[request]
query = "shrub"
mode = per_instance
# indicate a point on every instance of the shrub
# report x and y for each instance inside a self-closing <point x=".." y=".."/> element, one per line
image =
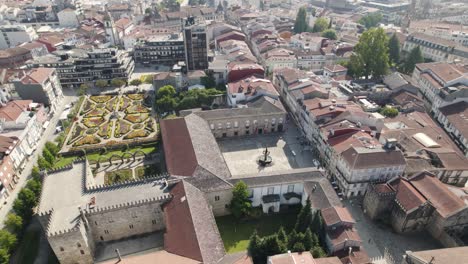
<point x="43" y="164"/>
<point x="136" y="134"/>
<point x="146" y="79"/>
<point x="35" y="173"/>
<point x="137" y="96"/>
<point x="87" y="140"/>
<point x="117" y="82"/>
<point x="101" y="83"/>
<point x="389" y="111"/>
<point x="135" y="82"/>
<point x="52" y="147"/>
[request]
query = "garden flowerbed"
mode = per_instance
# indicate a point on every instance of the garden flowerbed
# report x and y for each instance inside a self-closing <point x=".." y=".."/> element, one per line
<point x="87" y="140"/>
<point x="77" y="133"/>
<point x="138" y="108"/>
<point x="100" y="98"/>
<point x="91" y="131"/>
<point x="105" y="131"/>
<point x="124" y="103"/>
<point x="93" y="121"/>
<point x="137" y="118"/>
<point x="138" y="96"/>
<point x="88" y="106"/>
<point x="96" y="112"/>
<point x="137" y="134"/>
<point x="122" y="127"/>
<point x="110" y="105"/>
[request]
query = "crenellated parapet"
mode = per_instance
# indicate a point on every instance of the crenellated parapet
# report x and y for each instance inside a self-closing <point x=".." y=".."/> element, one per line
<point x="160" y="179"/>
<point x="97" y="209"/>
<point x="75" y="228"/>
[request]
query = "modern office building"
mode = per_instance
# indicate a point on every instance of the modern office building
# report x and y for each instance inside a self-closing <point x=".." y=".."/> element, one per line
<point x="196" y="46"/>
<point x="166" y="49"/>
<point x="78" y="66"/>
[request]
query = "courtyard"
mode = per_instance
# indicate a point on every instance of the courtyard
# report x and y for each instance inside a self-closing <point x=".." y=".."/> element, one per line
<point x="286" y="150"/>
<point x="111" y="119"/>
<point x="236" y="233"/>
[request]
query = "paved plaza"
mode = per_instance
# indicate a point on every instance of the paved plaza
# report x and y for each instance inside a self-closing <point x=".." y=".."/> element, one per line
<point x="382" y="244"/>
<point x="285" y="149"/>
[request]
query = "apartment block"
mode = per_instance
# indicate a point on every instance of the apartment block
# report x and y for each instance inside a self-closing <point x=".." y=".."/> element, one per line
<point x="78" y="66"/>
<point x="41" y="85"/>
<point x="167" y="49"/>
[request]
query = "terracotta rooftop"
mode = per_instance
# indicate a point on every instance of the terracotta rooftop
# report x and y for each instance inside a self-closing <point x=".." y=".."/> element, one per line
<point x="37" y="75"/>
<point x="250" y="85"/>
<point x="445" y="71"/>
<point x="13" y="109"/>
<point x="335" y="215"/>
<point x="445" y="201"/>
<point x="340" y="235"/>
<point x="372" y="157"/>
<point x="7" y="144"/>
<point x="191" y="230"/>
<point x="292" y="258"/>
<point x="335" y="68"/>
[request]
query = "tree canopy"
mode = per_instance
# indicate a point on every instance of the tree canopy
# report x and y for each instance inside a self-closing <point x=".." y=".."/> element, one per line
<point x="389" y="111"/>
<point x="371" y="20"/>
<point x="371" y="54"/>
<point x="240" y="204"/>
<point x="167" y="90"/>
<point x="329" y="34"/>
<point x="320" y="25"/>
<point x="394" y="49"/>
<point x="101" y="83"/>
<point x="300" y="25"/>
<point x="414" y="57"/>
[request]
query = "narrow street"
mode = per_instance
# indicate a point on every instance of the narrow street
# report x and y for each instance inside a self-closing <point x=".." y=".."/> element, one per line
<point x="48" y="135"/>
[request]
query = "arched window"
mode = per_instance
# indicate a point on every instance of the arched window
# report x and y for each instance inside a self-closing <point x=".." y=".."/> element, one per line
<point x="62" y="249"/>
<point x="78" y="245"/>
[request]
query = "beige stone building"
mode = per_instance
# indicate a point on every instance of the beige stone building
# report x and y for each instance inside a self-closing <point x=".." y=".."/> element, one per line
<point x="421" y="202"/>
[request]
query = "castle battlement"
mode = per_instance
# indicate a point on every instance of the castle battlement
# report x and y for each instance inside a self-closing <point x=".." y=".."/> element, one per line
<point x="65" y="231"/>
<point x="157" y="179"/>
<point x="97" y="209"/>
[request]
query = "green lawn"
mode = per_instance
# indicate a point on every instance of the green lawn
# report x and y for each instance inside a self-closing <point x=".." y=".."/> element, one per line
<point x="147" y="170"/>
<point x="116" y="176"/>
<point x="29" y="246"/>
<point x="236" y="234"/>
<point x="63" y="161"/>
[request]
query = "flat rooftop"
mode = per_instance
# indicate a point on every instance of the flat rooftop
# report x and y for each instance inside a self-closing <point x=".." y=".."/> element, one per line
<point x="63" y="192"/>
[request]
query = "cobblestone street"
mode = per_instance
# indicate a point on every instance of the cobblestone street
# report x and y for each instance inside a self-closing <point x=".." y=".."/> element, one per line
<point x="382" y="243"/>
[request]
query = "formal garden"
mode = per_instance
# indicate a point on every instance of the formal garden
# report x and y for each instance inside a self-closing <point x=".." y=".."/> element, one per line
<point x="111" y="120"/>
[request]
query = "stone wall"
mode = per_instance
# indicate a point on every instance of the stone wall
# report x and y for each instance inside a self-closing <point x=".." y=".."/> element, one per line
<point x="128" y="221"/>
<point x="219" y="201"/>
<point x="375" y="204"/>
<point x="72" y="247"/>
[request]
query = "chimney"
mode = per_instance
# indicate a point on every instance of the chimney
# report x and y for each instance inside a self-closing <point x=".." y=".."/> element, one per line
<point x="390" y="143"/>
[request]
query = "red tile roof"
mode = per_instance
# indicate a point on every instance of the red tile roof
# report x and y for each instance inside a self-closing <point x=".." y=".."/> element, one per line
<point x="408" y="197"/>
<point x="178" y="147"/>
<point x="335" y="215"/>
<point x="13" y="109"/>
<point x="445" y="201"/>
<point x="38" y="75"/>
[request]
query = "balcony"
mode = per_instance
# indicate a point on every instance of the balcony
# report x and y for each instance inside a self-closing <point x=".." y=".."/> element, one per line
<point x="290" y="195"/>
<point x="270" y="198"/>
